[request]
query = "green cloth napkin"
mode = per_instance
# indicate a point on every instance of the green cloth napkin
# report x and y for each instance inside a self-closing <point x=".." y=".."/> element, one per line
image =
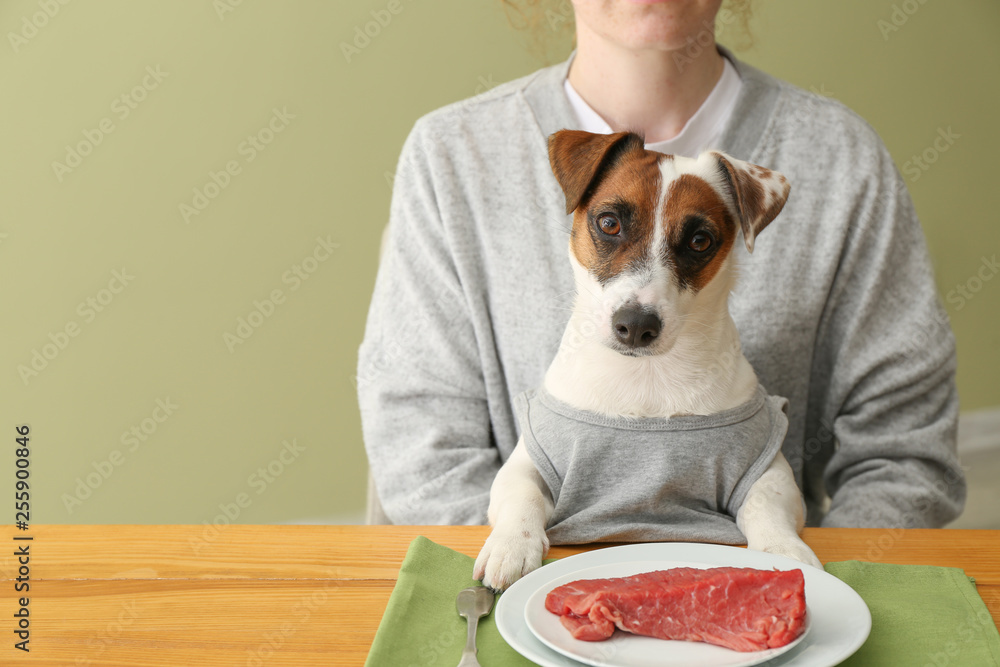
<point x="421" y="626"/>
<point x="921" y="616"/>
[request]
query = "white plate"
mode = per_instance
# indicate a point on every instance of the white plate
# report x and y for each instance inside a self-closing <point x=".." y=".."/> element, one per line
<point x="624" y="650"/>
<point x="839" y="621"/>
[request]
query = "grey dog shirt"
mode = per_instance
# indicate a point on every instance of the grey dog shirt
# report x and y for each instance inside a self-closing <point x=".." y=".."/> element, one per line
<point x="627" y="479"/>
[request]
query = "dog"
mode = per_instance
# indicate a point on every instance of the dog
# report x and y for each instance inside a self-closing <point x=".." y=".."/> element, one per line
<point x="650" y="337"/>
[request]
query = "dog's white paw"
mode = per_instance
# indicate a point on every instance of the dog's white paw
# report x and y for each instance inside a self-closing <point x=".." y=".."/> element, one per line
<point x="508" y="555"/>
<point x="791" y="547"/>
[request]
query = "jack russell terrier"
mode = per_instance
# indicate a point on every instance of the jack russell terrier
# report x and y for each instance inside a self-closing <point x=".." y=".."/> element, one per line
<point x="650" y="423"/>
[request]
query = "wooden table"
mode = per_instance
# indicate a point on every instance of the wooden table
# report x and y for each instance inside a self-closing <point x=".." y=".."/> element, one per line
<point x="294" y="595"/>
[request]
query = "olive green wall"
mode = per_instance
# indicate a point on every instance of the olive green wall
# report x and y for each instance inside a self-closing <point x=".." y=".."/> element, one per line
<point x="170" y="168"/>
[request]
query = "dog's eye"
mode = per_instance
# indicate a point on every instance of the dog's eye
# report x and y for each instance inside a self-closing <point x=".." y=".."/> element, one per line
<point x="609" y="224"/>
<point x="700" y="242"/>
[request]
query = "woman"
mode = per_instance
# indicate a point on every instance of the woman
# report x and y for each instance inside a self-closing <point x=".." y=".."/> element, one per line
<point x="836" y="308"/>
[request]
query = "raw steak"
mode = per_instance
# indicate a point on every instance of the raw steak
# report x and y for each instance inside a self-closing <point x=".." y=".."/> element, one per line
<point x="740" y="608"/>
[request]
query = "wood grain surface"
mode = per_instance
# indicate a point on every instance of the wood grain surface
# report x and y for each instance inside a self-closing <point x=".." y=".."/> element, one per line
<point x="295" y="595"/>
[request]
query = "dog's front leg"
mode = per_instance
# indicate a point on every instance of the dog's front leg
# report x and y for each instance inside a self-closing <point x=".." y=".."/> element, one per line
<point x="520" y="508"/>
<point x="771" y="516"/>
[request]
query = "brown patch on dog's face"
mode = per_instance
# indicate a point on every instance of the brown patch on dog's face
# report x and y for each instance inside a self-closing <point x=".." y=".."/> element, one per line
<point x="626" y="195"/>
<point x="693" y="211"/>
<point x="580" y="159"/>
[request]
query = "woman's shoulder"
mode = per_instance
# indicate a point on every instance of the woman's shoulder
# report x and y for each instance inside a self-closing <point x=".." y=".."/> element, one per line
<point x="488" y="96"/>
<point x="493" y="110"/>
<point x="814" y="121"/>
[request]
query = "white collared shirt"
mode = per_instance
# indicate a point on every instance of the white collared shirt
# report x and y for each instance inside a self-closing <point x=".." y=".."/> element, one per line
<point x="701" y="132"/>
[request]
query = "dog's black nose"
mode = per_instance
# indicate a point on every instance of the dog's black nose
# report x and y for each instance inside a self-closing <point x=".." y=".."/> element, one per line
<point x="635" y="327"/>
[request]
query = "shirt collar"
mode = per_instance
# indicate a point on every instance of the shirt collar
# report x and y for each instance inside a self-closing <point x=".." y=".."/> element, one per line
<point x="741" y="137"/>
<point x="701" y="130"/>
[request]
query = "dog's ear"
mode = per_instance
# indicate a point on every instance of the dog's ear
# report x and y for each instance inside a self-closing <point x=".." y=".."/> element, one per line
<point x="757" y="193"/>
<point x="577" y="159"/>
